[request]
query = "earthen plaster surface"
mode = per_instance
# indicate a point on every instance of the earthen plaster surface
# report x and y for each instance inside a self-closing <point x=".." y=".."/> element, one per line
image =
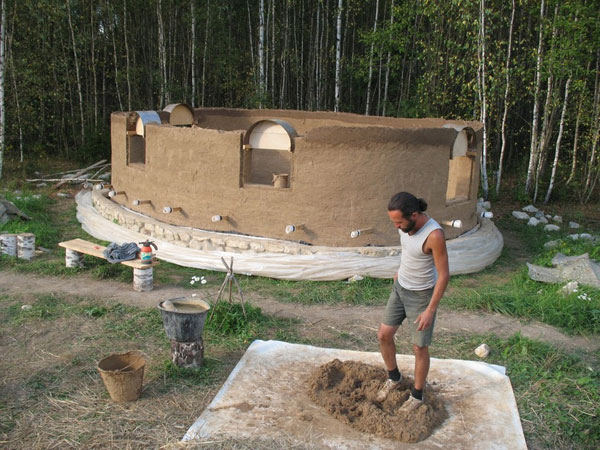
<point x="343" y="170"/>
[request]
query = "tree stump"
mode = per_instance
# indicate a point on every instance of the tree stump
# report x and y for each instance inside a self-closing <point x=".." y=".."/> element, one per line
<point x="8" y="244"/>
<point x="73" y="258"/>
<point x="143" y="280"/>
<point x="187" y="354"/>
<point x="26" y="246"/>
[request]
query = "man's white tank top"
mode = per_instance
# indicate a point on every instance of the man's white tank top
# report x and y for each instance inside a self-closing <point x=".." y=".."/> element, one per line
<point x="417" y="270"/>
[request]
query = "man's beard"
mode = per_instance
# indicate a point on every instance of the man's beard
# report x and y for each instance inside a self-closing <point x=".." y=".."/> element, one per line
<point x="411" y="226"/>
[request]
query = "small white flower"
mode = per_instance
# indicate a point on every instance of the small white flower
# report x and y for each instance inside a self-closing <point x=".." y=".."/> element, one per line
<point x="194" y="295"/>
<point x="203" y="282"/>
<point x="192" y="282"/>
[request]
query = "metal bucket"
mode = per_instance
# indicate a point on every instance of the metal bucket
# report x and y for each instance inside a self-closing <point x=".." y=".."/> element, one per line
<point x="186" y="322"/>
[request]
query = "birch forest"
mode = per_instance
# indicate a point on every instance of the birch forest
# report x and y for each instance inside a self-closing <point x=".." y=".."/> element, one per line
<point x="528" y="69"/>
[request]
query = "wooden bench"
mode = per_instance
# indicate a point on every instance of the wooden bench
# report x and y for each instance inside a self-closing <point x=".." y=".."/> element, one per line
<point x="76" y="248"/>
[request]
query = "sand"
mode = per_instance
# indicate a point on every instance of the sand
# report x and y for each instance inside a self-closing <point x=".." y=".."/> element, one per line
<point x="347" y="390"/>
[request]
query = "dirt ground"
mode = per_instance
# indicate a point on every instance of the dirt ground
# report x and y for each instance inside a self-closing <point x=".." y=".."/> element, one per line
<point x="317" y="321"/>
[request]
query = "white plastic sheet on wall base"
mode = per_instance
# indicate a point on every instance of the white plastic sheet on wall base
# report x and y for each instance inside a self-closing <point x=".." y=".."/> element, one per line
<point x="469" y="253"/>
<point x="266" y="397"/>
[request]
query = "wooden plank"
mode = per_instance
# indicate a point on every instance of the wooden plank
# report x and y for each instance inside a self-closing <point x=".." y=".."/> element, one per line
<point x="89" y="248"/>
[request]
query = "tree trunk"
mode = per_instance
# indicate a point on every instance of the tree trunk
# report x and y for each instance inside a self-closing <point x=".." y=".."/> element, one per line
<point x="126" y="55"/>
<point x="338" y="56"/>
<point x="162" y="57"/>
<point x="387" y="66"/>
<point x="484" y="178"/>
<point x="261" y="51"/>
<point x="506" y="91"/>
<point x="548" y="117"/>
<point x="2" y="71"/>
<point x="367" y="107"/>
<point x="76" y="70"/>
<point x="205" y="50"/>
<point x="93" y="64"/>
<point x="284" y="55"/>
<point x="558" y="140"/>
<point x="576" y="137"/>
<point x="593" y="171"/>
<point x="115" y="60"/>
<point x="193" y="51"/>
<point x="534" y="123"/>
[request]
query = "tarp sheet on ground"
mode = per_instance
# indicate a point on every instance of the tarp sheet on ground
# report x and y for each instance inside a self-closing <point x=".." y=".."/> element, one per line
<point x="266" y="397"/>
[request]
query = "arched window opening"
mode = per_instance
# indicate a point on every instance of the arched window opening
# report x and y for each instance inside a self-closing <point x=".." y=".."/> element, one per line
<point x="136" y="137"/>
<point x="461" y="165"/>
<point x="267" y="151"/>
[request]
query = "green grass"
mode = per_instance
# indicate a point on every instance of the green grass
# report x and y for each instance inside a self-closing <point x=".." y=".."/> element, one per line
<point x="41" y="223"/>
<point x="523" y="297"/>
<point x="558" y="395"/>
<point x="369" y="291"/>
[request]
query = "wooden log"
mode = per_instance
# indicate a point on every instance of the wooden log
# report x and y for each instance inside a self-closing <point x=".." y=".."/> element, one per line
<point x="187" y="354"/>
<point x="8" y="244"/>
<point x="143" y="280"/>
<point x="73" y="258"/>
<point x="78" y="174"/>
<point x="26" y="246"/>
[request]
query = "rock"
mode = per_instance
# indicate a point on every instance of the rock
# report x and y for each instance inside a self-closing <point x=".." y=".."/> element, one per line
<point x="539" y="214"/>
<point x="482" y="351"/>
<point x="574" y="236"/>
<point x="543" y="220"/>
<point x="531" y="209"/>
<point x="64" y="195"/>
<point x="568" y="268"/>
<point x="533" y="222"/>
<point x="26" y="307"/>
<point x="573" y="225"/>
<point x="587" y="236"/>
<point x="557" y="219"/>
<point x="41" y="185"/>
<point x="552" y="244"/>
<point x="520" y="215"/>
<point x="569" y="288"/>
<point x="486" y="205"/>
<point x="8" y="211"/>
<point x="355" y="278"/>
<point x="551" y="227"/>
<point x="548" y="216"/>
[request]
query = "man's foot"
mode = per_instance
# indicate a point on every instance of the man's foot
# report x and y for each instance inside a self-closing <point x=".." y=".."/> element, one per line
<point x="388" y="387"/>
<point x="411" y="404"/>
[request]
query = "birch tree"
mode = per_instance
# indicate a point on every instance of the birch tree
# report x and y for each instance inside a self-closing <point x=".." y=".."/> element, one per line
<point x="534" y="122"/>
<point x="261" y="51"/>
<point x="558" y="141"/>
<point x="76" y="60"/>
<point x="368" y="103"/>
<point x="338" y="55"/>
<point x="506" y="92"/>
<point x="483" y="116"/>
<point x="2" y="72"/>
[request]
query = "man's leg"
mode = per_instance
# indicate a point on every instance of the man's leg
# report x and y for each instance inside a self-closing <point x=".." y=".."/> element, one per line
<point x="421" y="366"/>
<point x="387" y="345"/>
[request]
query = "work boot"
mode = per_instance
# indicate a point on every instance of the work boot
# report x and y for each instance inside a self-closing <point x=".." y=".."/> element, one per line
<point x="388" y="387"/>
<point x="411" y="404"/>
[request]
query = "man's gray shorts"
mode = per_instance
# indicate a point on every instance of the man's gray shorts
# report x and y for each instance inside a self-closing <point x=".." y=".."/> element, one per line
<point x="406" y="304"/>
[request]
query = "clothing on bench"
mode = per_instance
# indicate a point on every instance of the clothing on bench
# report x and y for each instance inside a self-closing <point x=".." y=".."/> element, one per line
<point x="116" y="253"/>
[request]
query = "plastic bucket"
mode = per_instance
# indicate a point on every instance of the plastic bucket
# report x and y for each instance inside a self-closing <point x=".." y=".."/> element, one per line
<point x="123" y="375"/>
<point x="186" y="322"/>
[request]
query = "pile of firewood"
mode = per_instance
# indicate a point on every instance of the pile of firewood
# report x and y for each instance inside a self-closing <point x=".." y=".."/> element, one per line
<point x="96" y="173"/>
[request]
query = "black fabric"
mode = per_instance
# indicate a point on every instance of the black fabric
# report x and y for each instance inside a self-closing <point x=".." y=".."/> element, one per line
<point x="394" y="375"/>
<point x="416" y="393"/>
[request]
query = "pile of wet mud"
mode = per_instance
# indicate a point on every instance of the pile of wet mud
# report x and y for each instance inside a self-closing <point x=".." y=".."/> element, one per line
<point x="348" y="391"/>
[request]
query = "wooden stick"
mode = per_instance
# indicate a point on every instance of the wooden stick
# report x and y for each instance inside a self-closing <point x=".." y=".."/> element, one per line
<point x="79" y="173"/>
